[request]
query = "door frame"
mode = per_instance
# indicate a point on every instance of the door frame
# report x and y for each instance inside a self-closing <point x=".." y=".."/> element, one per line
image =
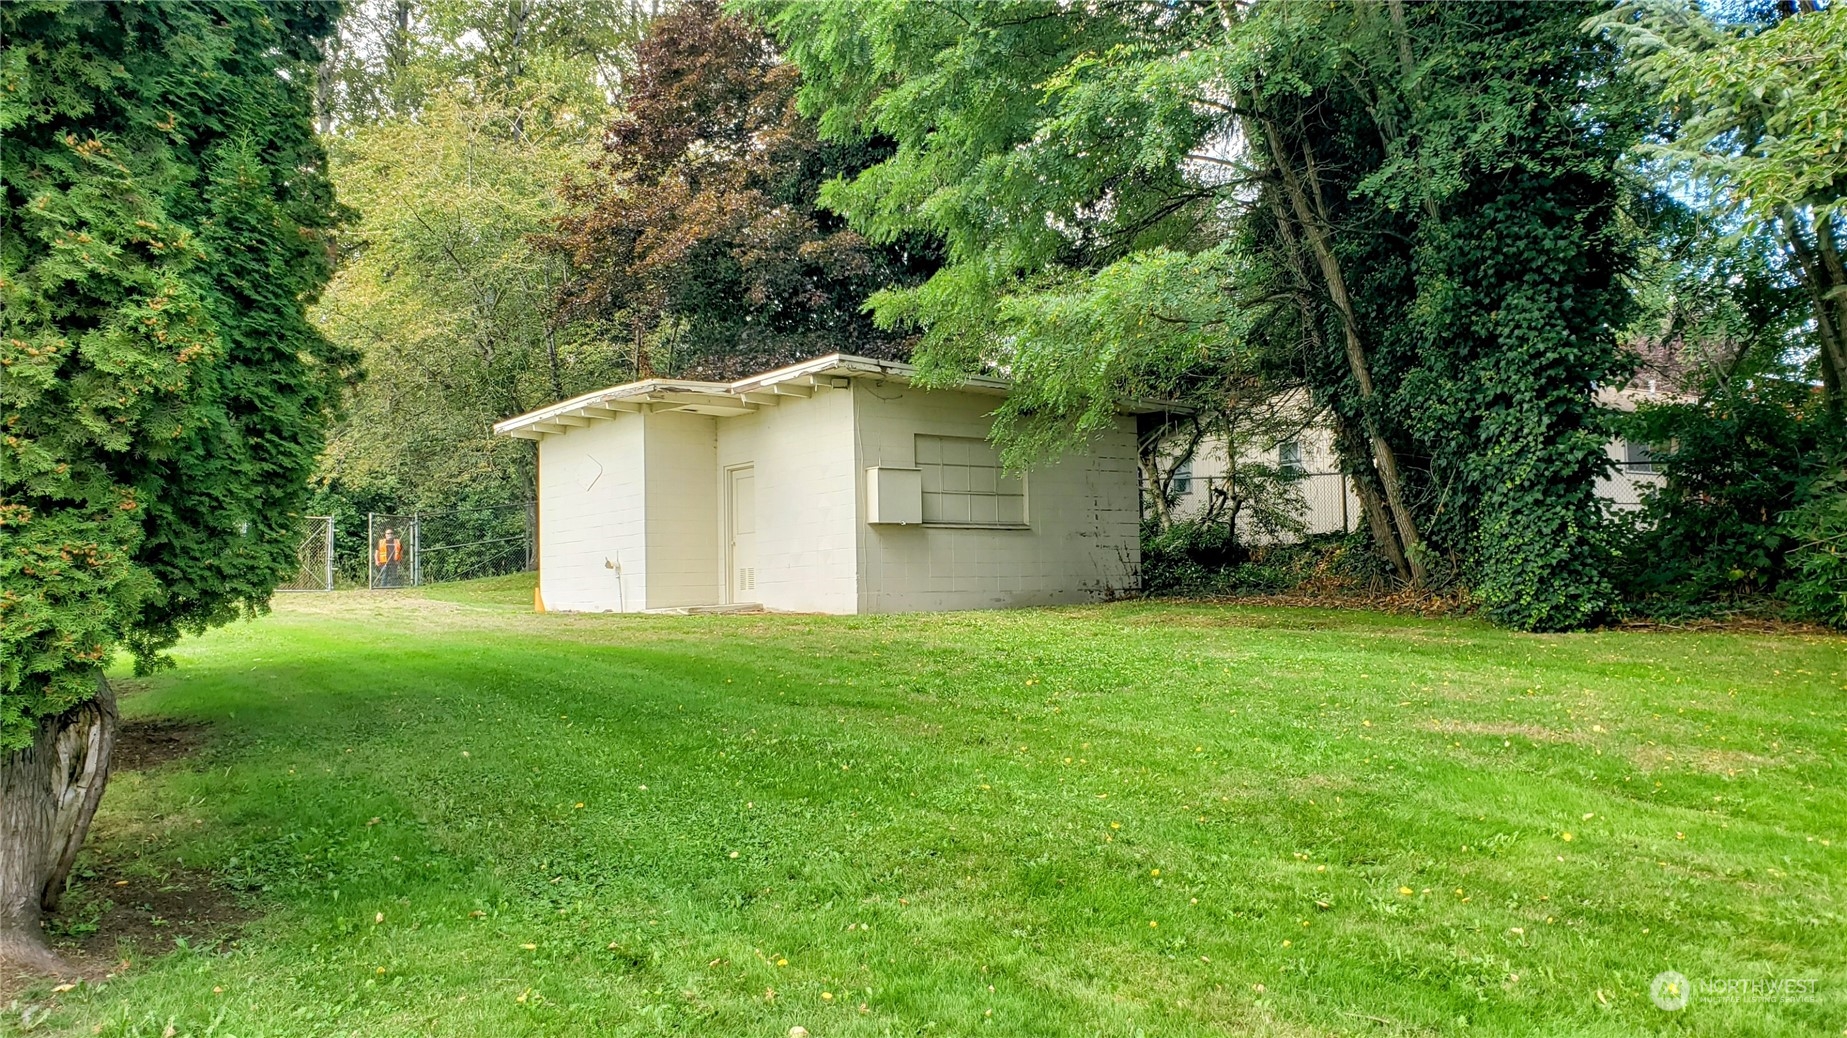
<point x="728" y="590"/>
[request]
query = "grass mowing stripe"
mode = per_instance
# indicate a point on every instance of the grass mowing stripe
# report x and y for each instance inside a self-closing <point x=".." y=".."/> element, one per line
<point x="1135" y="818"/>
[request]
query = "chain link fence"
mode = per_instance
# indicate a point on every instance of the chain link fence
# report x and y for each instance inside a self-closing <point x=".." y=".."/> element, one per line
<point x="404" y="550"/>
<point x="314" y="556"/>
<point x="464" y="543"/>
<point x="391" y="553"/>
<point x="1624" y="488"/>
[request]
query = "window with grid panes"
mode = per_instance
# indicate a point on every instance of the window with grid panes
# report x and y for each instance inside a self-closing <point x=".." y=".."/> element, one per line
<point x="964" y="484"/>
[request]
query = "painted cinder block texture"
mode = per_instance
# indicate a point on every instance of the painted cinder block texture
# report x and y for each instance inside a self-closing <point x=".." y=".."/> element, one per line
<point x="635" y="511"/>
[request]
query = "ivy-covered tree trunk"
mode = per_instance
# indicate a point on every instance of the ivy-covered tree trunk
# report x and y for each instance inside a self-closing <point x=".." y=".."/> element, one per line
<point x="48" y="794"/>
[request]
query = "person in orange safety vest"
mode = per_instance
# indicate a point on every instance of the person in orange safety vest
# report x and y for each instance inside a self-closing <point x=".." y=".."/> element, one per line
<point x="387" y="555"/>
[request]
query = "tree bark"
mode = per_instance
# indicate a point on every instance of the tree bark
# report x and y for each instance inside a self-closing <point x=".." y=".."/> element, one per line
<point x="1156" y="495"/>
<point x="1366" y="488"/>
<point x="1310" y="215"/>
<point x="1819" y="268"/>
<point x="1354" y="444"/>
<point x="48" y="794"/>
<point x="1830" y="255"/>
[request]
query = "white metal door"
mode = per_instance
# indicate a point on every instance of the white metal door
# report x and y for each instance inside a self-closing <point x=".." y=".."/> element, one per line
<point x="743" y="528"/>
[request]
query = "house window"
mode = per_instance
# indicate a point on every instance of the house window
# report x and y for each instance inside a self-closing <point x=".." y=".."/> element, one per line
<point x="1289" y="457"/>
<point x="1638" y="458"/>
<point x="1183" y="478"/>
<point x="964" y="484"/>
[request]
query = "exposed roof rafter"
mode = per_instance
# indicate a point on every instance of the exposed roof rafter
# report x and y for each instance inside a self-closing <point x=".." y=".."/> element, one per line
<point x="732" y="399"/>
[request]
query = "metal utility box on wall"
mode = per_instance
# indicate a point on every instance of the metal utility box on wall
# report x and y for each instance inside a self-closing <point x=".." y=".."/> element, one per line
<point x="894" y="495"/>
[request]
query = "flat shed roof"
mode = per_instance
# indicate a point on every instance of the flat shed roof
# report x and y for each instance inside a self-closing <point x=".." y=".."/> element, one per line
<point x="727" y="399"/>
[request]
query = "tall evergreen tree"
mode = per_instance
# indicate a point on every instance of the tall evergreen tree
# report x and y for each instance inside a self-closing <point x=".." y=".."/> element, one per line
<point x="162" y="395"/>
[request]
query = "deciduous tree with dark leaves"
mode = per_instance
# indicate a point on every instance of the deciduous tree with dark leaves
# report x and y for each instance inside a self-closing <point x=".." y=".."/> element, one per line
<point x="698" y="238"/>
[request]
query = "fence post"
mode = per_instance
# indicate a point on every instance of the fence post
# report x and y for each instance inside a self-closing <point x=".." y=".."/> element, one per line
<point x="330" y="522"/>
<point x="371" y="570"/>
<point x="532" y="536"/>
<point x="416" y="553"/>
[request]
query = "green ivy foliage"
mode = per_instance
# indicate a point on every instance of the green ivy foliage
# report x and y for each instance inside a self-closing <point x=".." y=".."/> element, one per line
<point x="162" y="396"/>
<point x="1521" y="300"/>
<point x="1817" y="584"/>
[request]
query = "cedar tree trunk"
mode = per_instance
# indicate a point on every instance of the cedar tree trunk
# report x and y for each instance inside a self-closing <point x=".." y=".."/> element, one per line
<point x="48" y="794"/>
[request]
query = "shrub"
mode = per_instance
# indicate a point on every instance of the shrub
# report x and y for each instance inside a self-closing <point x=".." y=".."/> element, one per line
<point x="1188" y="558"/>
<point x="1715" y="533"/>
<point x="1204" y="559"/>
<point x="1817" y="584"/>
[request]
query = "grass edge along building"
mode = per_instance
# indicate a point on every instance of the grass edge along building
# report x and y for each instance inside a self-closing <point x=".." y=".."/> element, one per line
<point x="831" y="486"/>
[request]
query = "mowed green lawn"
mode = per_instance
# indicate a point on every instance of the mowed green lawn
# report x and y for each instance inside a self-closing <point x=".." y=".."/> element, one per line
<point x="461" y="818"/>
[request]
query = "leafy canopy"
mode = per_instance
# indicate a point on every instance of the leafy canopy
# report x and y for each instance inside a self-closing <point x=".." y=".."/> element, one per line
<point x="449" y="300"/>
<point x="162" y="395"/>
<point x="698" y="230"/>
<point x="1408" y="208"/>
<point x="451" y="125"/>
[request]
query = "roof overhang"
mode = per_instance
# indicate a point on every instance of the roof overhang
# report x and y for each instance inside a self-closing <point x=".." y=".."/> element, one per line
<point x="730" y="399"/>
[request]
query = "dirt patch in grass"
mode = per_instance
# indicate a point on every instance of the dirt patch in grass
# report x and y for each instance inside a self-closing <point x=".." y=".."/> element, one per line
<point x="1534" y="732"/>
<point x="1408" y="602"/>
<point x="149" y="742"/>
<point x="1729" y="763"/>
<point x="1729" y="624"/>
<point x="126" y="910"/>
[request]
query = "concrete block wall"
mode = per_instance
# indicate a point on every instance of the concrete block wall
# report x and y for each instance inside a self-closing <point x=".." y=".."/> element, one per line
<point x="1082" y="536"/>
<point x="684" y="524"/>
<point x="807" y="499"/>
<point x="591" y="518"/>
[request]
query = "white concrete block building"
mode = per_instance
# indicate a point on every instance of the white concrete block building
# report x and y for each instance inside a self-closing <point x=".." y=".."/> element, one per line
<point x="831" y="486"/>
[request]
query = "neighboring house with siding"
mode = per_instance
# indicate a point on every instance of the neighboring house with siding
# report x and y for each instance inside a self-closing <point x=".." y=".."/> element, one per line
<point x="830" y="486"/>
<point x="1328" y="503"/>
